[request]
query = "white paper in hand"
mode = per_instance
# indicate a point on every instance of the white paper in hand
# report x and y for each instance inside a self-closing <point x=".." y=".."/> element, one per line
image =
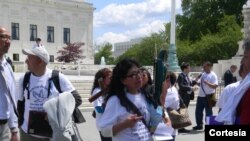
<point x="163" y="132"/>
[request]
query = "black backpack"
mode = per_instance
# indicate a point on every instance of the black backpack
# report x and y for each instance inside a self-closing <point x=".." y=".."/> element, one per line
<point x="77" y="115"/>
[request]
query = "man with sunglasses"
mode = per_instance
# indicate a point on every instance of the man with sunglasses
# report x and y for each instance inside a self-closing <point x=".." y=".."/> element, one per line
<point x="8" y="115"/>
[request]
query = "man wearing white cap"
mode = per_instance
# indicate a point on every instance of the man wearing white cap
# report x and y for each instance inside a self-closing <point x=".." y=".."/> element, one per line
<point x="33" y="119"/>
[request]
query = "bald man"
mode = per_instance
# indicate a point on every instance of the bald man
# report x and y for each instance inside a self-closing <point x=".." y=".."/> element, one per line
<point x="8" y="114"/>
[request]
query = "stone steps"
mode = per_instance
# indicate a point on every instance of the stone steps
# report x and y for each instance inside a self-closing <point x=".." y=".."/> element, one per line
<point x="84" y="89"/>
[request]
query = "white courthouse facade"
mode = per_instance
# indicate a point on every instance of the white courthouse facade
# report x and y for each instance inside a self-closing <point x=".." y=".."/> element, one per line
<point x="56" y="22"/>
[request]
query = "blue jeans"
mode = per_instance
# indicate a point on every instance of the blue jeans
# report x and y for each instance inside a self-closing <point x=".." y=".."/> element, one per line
<point x="202" y="104"/>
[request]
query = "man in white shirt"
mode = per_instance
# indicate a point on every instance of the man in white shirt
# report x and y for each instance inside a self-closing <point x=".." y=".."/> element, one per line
<point x="39" y="90"/>
<point x="208" y="84"/>
<point x="38" y="43"/>
<point x="8" y="117"/>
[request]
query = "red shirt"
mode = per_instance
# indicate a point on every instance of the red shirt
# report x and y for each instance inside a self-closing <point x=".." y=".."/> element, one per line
<point x="243" y="109"/>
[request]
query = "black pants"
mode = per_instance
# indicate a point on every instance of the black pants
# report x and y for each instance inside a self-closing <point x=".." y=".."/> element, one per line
<point x="186" y="98"/>
<point x="105" y="138"/>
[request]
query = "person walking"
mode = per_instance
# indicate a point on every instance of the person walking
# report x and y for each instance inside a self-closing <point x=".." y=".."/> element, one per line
<point x="8" y="112"/>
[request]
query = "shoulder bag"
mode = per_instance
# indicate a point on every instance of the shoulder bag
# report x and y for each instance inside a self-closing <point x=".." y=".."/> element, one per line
<point x="179" y="118"/>
<point x="211" y="98"/>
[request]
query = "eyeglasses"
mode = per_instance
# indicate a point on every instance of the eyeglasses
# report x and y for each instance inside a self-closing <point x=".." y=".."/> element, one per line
<point x="135" y="74"/>
<point x="5" y="37"/>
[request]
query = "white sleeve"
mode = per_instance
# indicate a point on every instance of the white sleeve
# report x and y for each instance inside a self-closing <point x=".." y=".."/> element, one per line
<point x="12" y="122"/>
<point x="172" y="99"/>
<point x="99" y="100"/>
<point x="20" y="92"/>
<point x="220" y="101"/>
<point x="214" y="79"/>
<point x="109" y="117"/>
<point x="65" y="84"/>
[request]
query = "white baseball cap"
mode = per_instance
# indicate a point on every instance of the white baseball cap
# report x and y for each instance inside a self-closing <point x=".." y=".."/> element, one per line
<point x="40" y="52"/>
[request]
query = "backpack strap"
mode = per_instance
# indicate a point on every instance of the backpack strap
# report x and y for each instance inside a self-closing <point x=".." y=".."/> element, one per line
<point x="55" y="80"/>
<point x="21" y="104"/>
<point x="136" y="111"/>
<point x="26" y="81"/>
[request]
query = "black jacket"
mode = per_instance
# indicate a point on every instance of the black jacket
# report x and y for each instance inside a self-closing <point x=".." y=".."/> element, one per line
<point x="185" y="85"/>
<point x="228" y="78"/>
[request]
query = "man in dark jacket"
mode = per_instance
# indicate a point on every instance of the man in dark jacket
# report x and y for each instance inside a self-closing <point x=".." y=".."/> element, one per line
<point x="186" y="89"/>
<point x="228" y="75"/>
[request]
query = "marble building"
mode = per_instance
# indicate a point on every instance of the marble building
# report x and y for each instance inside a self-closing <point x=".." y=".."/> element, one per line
<point x="56" y="22"/>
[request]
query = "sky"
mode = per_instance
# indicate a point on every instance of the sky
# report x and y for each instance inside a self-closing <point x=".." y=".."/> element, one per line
<point x="122" y="20"/>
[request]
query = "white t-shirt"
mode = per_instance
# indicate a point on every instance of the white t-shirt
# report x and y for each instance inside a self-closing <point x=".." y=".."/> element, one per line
<point x="97" y="104"/>
<point x="172" y="101"/>
<point x="38" y="88"/>
<point x="115" y="113"/>
<point x="99" y="100"/>
<point x="226" y="93"/>
<point x="211" y="78"/>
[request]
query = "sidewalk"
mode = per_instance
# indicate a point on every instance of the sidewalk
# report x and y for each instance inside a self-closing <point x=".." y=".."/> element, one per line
<point x="89" y="132"/>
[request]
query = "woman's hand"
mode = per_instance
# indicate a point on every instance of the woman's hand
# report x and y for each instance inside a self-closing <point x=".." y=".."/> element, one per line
<point x="131" y="120"/>
<point x="167" y="121"/>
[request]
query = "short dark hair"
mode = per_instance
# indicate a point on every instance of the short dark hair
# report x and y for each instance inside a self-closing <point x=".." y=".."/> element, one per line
<point x="233" y="66"/>
<point x="208" y="63"/>
<point x="172" y="77"/>
<point x="246" y="45"/>
<point x="184" y="65"/>
<point x="38" y="39"/>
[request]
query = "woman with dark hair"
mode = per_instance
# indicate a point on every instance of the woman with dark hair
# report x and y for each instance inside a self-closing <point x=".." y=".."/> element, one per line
<point x="127" y="114"/>
<point x="170" y="96"/>
<point x="101" y="82"/>
<point x="147" y="86"/>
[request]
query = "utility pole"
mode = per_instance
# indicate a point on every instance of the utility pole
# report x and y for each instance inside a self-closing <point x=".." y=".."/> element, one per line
<point x="172" y="56"/>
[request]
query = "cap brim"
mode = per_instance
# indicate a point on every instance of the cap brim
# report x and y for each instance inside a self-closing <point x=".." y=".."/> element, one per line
<point x="27" y="52"/>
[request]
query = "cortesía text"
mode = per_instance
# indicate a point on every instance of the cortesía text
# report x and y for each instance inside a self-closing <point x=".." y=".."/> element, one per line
<point x="241" y="132"/>
<point x="213" y="132"/>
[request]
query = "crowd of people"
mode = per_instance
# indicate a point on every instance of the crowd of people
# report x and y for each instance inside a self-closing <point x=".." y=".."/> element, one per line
<point x="125" y="106"/>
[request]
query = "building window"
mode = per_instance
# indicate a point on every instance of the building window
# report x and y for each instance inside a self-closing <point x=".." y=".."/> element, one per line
<point x="15" y="31"/>
<point x="33" y="32"/>
<point x="50" y="34"/>
<point x="66" y="35"/>
<point x="51" y="58"/>
<point x="15" y="57"/>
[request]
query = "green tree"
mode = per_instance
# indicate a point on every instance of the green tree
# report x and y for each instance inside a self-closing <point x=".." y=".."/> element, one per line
<point x="212" y="47"/>
<point x="202" y="17"/>
<point x="145" y="51"/>
<point x="105" y="50"/>
<point x="70" y="53"/>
